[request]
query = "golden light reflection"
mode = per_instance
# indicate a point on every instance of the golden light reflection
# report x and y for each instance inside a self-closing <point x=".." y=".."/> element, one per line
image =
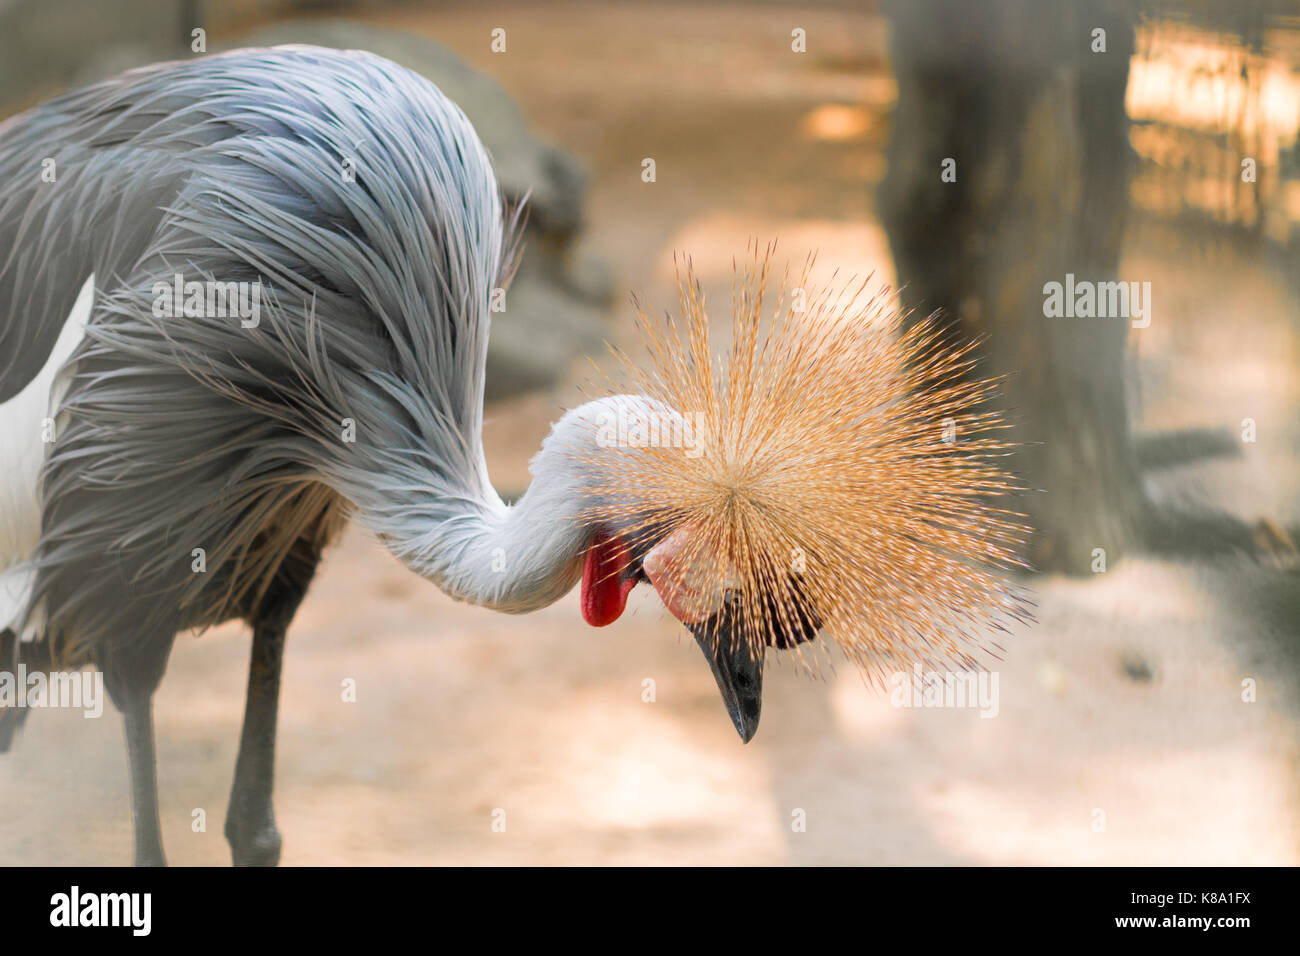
<point x="836" y="122"/>
<point x="1202" y="105"/>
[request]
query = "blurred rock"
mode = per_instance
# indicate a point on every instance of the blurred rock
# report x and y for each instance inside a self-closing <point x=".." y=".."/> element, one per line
<point x="554" y="309"/>
<point x="45" y="45"/>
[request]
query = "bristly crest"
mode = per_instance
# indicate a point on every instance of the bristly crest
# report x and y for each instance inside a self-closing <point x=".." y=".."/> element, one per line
<point x="844" y="475"/>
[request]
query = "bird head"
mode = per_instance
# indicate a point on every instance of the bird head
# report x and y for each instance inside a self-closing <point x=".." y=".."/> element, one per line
<point x="703" y="598"/>
<point x="833" y="472"/>
<point x="629" y="543"/>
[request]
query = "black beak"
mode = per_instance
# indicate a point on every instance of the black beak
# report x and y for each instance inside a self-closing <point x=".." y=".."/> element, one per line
<point x="738" y="672"/>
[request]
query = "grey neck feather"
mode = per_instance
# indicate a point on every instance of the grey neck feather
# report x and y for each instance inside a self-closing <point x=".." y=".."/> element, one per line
<point x="510" y="558"/>
<point x="476" y="548"/>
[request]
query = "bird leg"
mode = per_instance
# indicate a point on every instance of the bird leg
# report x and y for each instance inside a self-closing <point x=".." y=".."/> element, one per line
<point x="138" y="715"/>
<point x="250" y="821"/>
<point x="131" y="675"/>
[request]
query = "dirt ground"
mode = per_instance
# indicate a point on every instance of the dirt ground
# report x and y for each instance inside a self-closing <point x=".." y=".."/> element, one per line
<point x="1122" y="736"/>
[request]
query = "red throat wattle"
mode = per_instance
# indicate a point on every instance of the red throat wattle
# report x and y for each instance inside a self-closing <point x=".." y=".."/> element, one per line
<point x="604" y="591"/>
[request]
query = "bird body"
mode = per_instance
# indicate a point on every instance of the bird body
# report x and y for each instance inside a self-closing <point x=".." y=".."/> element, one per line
<point x="235" y="168"/>
<point x="200" y="465"/>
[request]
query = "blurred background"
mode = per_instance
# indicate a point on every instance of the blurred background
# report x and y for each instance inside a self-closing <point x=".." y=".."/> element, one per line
<point x="1149" y="717"/>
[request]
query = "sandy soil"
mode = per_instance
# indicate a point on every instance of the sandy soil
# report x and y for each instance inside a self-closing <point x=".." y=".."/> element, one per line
<point x="1122" y="706"/>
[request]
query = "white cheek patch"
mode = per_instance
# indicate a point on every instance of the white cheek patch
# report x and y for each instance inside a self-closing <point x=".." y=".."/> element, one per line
<point x="688" y="579"/>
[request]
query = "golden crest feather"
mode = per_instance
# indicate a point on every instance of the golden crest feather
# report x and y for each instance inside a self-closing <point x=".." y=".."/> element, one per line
<point x="845" y="472"/>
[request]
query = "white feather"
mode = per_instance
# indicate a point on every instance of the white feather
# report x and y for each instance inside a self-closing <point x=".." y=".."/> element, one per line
<point x="26" y="420"/>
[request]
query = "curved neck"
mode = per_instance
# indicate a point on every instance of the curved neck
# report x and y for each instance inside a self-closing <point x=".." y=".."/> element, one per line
<point x="509" y="558"/>
<point x="457" y="533"/>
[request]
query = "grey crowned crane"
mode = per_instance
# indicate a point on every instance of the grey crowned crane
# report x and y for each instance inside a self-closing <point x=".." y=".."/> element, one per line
<point x="147" y="419"/>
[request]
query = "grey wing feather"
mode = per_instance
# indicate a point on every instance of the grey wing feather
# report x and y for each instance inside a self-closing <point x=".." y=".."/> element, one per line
<point x="80" y="192"/>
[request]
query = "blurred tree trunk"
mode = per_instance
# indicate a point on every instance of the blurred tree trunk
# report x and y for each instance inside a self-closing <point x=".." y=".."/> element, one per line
<point x="1036" y="122"/>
